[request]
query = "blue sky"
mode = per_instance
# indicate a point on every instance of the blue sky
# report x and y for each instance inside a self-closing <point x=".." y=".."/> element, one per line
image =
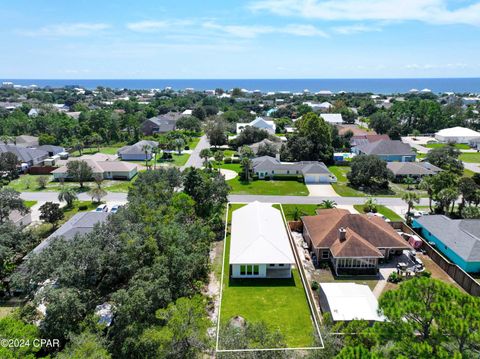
<point x="86" y="39"/>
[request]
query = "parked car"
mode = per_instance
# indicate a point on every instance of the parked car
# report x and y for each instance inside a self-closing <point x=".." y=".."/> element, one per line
<point x="102" y="208"/>
<point x="115" y="208"/>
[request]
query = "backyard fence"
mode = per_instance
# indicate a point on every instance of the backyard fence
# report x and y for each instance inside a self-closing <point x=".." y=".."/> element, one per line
<point x="462" y="278"/>
<point x="41" y="170"/>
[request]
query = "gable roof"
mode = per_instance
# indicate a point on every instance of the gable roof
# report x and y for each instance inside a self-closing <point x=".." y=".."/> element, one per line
<point x="354" y="245"/>
<point x="25" y="154"/>
<point x="458" y="131"/>
<point x="102" y="166"/>
<point x="323" y="230"/>
<point x="267" y="163"/>
<point x="358" y="140"/>
<point x="332" y="117"/>
<point x="263" y="142"/>
<point x="137" y="148"/>
<point x="166" y="122"/>
<point x="412" y="168"/>
<point x="79" y="224"/>
<point x="259" y="236"/>
<point x="461" y="235"/>
<point x="386" y="147"/>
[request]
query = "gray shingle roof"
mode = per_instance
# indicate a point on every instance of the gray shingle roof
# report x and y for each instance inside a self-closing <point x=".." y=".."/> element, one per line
<point x="461" y="235"/>
<point x="79" y="224"/>
<point x="137" y="148"/>
<point x="412" y="168"/>
<point x="267" y="163"/>
<point x="386" y="147"/>
<point x="166" y="122"/>
<point x="25" y="154"/>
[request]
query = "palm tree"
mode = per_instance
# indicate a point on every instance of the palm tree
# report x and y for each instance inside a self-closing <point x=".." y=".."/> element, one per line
<point x="447" y="197"/>
<point x="147" y="149"/>
<point x="68" y="195"/>
<point x="179" y="145"/>
<point x="370" y="205"/>
<point x="410" y="199"/>
<point x="205" y="154"/>
<point x="408" y="181"/>
<point x="154" y="154"/>
<point x="97" y="193"/>
<point x="426" y="184"/>
<point x="246" y="165"/>
<point x="96" y="139"/>
<point x="328" y="203"/>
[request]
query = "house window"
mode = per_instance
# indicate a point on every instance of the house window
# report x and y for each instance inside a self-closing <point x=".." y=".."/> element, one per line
<point x="288" y="172"/>
<point x="249" y="270"/>
<point x="325" y="254"/>
<point x="281" y="265"/>
<point x="273" y="172"/>
<point x="271" y="265"/>
<point x="242" y="270"/>
<point x="255" y="269"/>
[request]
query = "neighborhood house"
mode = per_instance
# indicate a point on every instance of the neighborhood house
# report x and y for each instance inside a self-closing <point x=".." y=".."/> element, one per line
<point x="457" y="239"/>
<point x="387" y="150"/>
<point x="112" y="170"/>
<point x="259" y="246"/>
<point x="415" y="170"/>
<point x="458" y="135"/>
<point x="353" y="243"/>
<point x="139" y="151"/>
<point x="259" y="123"/>
<point x="311" y="171"/>
<point x="160" y="124"/>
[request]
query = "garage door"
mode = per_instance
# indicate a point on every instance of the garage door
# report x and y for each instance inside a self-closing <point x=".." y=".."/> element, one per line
<point x="312" y="179"/>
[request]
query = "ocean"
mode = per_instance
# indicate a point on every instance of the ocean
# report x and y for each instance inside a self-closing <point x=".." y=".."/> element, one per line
<point x="377" y="86"/>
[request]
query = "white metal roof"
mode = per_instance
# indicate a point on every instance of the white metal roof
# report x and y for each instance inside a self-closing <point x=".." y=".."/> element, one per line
<point x="259" y="236"/>
<point x="458" y="131"/>
<point x="350" y="301"/>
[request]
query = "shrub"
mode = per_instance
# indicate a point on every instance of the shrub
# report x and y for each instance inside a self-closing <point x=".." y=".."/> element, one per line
<point x="82" y="207"/>
<point x="394" y="278"/>
<point x="314" y="286"/>
<point x="227" y="160"/>
<point x="425" y="274"/>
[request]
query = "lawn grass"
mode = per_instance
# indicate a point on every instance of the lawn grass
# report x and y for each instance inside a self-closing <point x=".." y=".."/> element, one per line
<point x="340" y="172"/>
<point x="460" y="146"/>
<point x="468" y="173"/>
<point x="228" y="166"/>
<point x="193" y="142"/>
<point x="109" y="150"/>
<point x="280" y="303"/>
<point x="268" y="187"/>
<point x="387" y="212"/>
<point x="325" y="275"/>
<point x="177" y="160"/>
<point x="473" y="157"/>
<point x="121" y="186"/>
<point x="304" y="210"/>
<point x="30" y="204"/>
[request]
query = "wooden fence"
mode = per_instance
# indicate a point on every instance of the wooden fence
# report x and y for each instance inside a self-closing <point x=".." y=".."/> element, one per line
<point x="463" y="279"/>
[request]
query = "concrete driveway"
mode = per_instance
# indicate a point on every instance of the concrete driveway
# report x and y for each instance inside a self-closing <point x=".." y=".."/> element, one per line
<point x="321" y="190"/>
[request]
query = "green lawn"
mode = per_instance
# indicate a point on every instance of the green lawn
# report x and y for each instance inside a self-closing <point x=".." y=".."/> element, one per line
<point x="178" y="160"/>
<point x="340" y="172"/>
<point x="303" y="209"/>
<point x="387" y="212"/>
<point x="326" y="276"/>
<point x="29" y="204"/>
<point x="280" y="303"/>
<point x="193" y="142"/>
<point x="460" y="146"/>
<point x="228" y="166"/>
<point x="28" y="183"/>
<point x="121" y="186"/>
<point x="109" y="150"/>
<point x="468" y="173"/>
<point x="268" y="187"/>
<point x="473" y="157"/>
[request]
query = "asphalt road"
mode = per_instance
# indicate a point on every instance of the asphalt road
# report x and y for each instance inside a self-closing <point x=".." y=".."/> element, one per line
<point x="194" y="160"/>
<point x="122" y="197"/>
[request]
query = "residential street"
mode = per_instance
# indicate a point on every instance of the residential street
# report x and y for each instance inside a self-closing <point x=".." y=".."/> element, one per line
<point x="194" y="160"/>
<point x="122" y="197"/>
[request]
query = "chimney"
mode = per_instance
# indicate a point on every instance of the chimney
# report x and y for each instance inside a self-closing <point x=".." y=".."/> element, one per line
<point x="342" y="234"/>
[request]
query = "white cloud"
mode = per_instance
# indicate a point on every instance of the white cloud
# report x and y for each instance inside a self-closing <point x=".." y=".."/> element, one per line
<point x="428" y="11"/>
<point x="154" y="26"/>
<point x="250" y="31"/>
<point x="67" y="30"/>
<point x="355" y="29"/>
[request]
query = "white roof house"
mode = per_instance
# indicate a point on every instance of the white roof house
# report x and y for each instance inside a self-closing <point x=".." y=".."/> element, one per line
<point x="349" y="301"/>
<point x="457" y="135"/>
<point x="260" y="123"/>
<point x="259" y="239"/>
<point x="333" y="118"/>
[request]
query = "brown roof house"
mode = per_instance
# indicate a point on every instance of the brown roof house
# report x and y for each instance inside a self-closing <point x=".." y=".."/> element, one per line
<point x="353" y="243"/>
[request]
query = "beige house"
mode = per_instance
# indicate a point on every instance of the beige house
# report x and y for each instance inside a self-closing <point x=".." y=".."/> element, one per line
<point x="112" y="170"/>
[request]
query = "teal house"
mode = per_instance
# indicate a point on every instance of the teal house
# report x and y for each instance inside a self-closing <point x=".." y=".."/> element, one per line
<point x="387" y="150"/>
<point x="457" y="239"/>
